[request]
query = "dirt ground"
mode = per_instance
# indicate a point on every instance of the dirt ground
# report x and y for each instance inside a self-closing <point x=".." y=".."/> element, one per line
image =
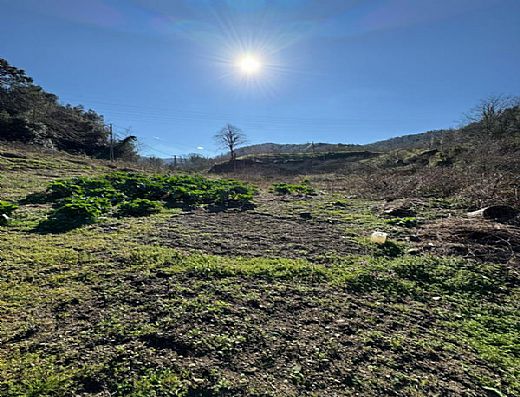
<point x="258" y="337"/>
<point x="255" y="234"/>
<point x="111" y="310"/>
<point x="303" y="228"/>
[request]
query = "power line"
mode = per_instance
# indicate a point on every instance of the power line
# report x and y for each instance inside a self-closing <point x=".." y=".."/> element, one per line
<point x="155" y="113"/>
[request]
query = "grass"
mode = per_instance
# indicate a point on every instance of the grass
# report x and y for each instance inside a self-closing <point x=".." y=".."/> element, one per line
<point x="100" y="310"/>
<point x="68" y="277"/>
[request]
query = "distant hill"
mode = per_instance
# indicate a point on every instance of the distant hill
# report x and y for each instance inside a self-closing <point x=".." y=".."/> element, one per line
<point x="493" y="139"/>
<point x="494" y="121"/>
<point x="411" y="141"/>
<point x="310" y="147"/>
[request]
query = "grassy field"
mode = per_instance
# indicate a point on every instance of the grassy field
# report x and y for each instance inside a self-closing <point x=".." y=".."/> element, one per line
<point x="287" y="299"/>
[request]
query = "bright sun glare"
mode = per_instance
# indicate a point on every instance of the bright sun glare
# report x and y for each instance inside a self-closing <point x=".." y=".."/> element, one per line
<point x="249" y="64"/>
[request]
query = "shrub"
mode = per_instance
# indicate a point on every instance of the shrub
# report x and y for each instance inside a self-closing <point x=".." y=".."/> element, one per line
<point x="75" y="212"/>
<point x="80" y="200"/>
<point x="83" y="186"/>
<point x="230" y="193"/>
<point x="289" y="188"/>
<point x="6" y="209"/>
<point x="139" y="207"/>
<point x="61" y="189"/>
<point x="134" y="185"/>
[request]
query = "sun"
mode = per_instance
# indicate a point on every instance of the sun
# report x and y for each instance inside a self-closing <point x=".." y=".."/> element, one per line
<point x="249" y="64"/>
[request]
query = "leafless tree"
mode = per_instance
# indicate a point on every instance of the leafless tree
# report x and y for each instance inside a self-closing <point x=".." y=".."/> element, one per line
<point x="230" y="137"/>
<point x="488" y="113"/>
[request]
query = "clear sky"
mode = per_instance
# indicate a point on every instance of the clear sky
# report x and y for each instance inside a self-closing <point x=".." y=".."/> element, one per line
<point x="331" y="70"/>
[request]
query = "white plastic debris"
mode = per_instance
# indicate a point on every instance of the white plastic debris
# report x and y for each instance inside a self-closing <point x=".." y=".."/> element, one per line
<point x="379" y="237"/>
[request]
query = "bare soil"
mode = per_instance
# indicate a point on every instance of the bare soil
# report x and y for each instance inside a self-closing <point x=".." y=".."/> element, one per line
<point x="267" y="338"/>
<point x="255" y="234"/>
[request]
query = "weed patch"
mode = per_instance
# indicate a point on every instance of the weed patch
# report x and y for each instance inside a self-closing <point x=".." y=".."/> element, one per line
<point x="74" y="212"/>
<point x="409" y="221"/>
<point x="81" y="200"/>
<point x="138" y="207"/>
<point x="290" y="188"/>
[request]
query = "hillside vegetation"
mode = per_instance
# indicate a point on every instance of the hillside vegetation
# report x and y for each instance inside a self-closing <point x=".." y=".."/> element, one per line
<point x="478" y="163"/>
<point x="29" y="114"/>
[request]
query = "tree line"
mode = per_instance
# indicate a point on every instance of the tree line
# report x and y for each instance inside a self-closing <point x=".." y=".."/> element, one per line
<point x="32" y="115"/>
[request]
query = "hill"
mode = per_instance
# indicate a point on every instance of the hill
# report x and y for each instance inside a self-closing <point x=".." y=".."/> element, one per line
<point x="494" y="130"/>
<point x="479" y="162"/>
<point x="287" y="148"/>
<point x="31" y="115"/>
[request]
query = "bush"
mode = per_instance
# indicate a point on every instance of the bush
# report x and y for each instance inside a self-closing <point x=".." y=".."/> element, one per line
<point x="289" y="188"/>
<point x="6" y="209"/>
<point x="81" y="200"/>
<point x="230" y="193"/>
<point x="61" y="189"/>
<point x="74" y="212"/>
<point x="183" y="190"/>
<point x="83" y="186"/>
<point x="139" y="207"/>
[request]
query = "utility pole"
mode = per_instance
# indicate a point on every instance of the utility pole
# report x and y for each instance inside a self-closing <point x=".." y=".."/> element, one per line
<point x="111" y="143"/>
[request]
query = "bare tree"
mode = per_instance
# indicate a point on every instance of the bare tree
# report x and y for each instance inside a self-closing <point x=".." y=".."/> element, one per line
<point x="230" y="137"/>
<point x="488" y="113"/>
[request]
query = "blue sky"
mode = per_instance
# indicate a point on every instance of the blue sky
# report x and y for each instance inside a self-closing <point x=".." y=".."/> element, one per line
<point x="332" y="70"/>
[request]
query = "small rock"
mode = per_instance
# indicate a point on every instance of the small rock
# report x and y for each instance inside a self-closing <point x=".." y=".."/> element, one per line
<point x="495" y="212"/>
<point x="305" y="215"/>
<point x="400" y="212"/>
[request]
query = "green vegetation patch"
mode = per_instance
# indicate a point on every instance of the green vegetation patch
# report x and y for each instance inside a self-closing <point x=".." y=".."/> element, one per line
<point x="290" y="188"/>
<point x="177" y="190"/>
<point x="409" y="221"/>
<point x="81" y="200"/>
<point x="75" y="212"/>
<point x="148" y="320"/>
<point x="139" y="207"/>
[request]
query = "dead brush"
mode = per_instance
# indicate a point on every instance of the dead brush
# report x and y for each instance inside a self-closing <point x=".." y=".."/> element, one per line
<point x="476" y="239"/>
